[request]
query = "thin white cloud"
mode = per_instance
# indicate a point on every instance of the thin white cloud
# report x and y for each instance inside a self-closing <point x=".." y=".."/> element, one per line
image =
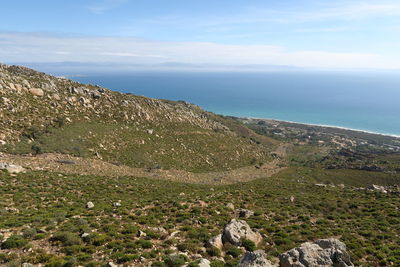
<point x="125" y="54"/>
<point x="350" y="11"/>
<point x="19" y="47"/>
<point x="101" y="6"/>
<point x="344" y="11"/>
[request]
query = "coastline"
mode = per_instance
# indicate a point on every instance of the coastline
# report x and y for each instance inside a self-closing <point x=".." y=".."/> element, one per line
<point x="328" y="126"/>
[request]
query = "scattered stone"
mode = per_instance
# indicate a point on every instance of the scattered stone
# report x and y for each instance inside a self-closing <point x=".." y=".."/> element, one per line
<point x="56" y="97"/>
<point x="257" y="258"/>
<point x="150" y="131"/>
<point x="291" y="199"/>
<point x="230" y="206"/>
<point x="85" y="235"/>
<point x="160" y="230"/>
<point x="111" y="264"/>
<point x="26" y="264"/>
<point x="11" y="85"/>
<point x="141" y="233"/>
<point x="216" y="242"/>
<point x="89" y="205"/>
<point x="243" y="213"/>
<point x="236" y="230"/>
<point x="36" y="92"/>
<point x="323" y="252"/>
<point x="377" y="188"/>
<point x="321" y="185"/>
<point x="117" y="204"/>
<point x="203" y="204"/>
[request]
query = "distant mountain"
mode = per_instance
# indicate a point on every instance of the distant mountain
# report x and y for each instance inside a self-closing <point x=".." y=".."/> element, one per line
<point x="112" y="67"/>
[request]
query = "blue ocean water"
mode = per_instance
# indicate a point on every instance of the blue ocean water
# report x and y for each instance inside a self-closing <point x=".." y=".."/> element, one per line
<point x="363" y="101"/>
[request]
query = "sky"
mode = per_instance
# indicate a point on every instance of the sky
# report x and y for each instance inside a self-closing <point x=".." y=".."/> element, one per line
<point x="321" y="34"/>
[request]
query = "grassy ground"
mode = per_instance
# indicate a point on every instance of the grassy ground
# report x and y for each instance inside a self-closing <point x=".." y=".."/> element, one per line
<point x="168" y="145"/>
<point x="46" y="212"/>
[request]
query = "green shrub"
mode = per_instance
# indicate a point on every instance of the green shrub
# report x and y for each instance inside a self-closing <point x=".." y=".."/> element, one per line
<point x="248" y="245"/>
<point x="234" y="252"/>
<point x="15" y="241"/>
<point x="217" y="263"/>
<point x="67" y="238"/>
<point x="213" y="251"/>
<point x="175" y="260"/>
<point x="29" y="233"/>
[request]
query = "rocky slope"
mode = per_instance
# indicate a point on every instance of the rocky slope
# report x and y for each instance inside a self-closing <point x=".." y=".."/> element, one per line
<point x="41" y="113"/>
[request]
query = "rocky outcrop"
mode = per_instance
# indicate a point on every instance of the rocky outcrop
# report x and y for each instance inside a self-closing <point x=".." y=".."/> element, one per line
<point x="236" y="230"/>
<point x="323" y="252"/>
<point x="257" y="258"/>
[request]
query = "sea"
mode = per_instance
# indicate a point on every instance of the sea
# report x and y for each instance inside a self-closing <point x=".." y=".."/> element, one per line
<point x="367" y="101"/>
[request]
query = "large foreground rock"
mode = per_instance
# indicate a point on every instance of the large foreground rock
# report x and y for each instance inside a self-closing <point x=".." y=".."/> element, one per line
<point x="255" y="259"/>
<point x="236" y="230"/>
<point x="323" y="252"/>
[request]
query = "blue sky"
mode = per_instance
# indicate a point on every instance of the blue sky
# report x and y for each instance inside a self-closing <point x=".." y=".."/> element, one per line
<point x="305" y="33"/>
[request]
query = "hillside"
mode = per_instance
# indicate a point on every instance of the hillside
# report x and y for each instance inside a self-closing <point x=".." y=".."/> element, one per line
<point x="91" y="177"/>
<point x="40" y="113"/>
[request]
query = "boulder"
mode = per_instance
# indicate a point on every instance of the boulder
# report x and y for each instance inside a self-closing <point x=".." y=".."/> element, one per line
<point x="11" y="168"/>
<point x="15" y="169"/>
<point x="323" y="252"/>
<point x="243" y="213"/>
<point x="89" y="205"/>
<point x="36" y="92"/>
<point x="216" y="242"/>
<point x="257" y="258"/>
<point x="95" y="95"/>
<point x="236" y="230"/>
<point x="56" y="97"/>
<point x="204" y="263"/>
<point x="12" y="86"/>
<point x="377" y="188"/>
<point x="26" y="84"/>
<point x="18" y="87"/>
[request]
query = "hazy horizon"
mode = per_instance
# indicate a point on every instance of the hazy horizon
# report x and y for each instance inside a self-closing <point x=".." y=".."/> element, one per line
<point x="311" y="34"/>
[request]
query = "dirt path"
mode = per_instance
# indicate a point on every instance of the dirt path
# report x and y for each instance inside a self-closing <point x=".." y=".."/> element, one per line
<point x="85" y="166"/>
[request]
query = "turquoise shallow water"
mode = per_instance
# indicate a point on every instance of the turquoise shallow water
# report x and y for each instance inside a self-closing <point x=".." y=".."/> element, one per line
<point x="363" y="101"/>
